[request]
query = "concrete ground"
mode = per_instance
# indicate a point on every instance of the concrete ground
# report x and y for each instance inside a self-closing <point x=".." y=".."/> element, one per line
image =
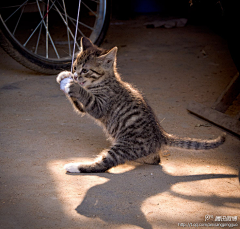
<point x="39" y="133"/>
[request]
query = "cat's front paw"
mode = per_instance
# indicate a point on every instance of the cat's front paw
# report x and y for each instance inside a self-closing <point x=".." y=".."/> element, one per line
<point x="72" y="167"/>
<point x="73" y="89"/>
<point x="64" y="82"/>
<point x="63" y="75"/>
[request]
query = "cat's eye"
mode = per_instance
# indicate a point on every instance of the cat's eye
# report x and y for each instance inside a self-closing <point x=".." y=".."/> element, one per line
<point x="74" y="68"/>
<point x="84" y="70"/>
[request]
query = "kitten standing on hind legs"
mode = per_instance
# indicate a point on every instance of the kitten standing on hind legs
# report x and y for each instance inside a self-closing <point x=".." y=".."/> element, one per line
<point x="97" y="90"/>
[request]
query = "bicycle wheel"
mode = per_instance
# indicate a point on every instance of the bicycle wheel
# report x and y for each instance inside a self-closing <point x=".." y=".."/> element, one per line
<point x="39" y="34"/>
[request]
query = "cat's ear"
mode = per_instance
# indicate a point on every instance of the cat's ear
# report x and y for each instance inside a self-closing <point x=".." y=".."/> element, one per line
<point x="109" y="58"/>
<point x="86" y="43"/>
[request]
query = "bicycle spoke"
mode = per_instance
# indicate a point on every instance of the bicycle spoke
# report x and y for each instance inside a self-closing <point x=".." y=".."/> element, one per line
<point x="47" y="33"/>
<point x="42" y="20"/>
<point x="69" y="45"/>
<point x="32" y="34"/>
<point x="81" y="23"/>
<point x="71" y="20"/>
<point x="18" y="20"/>
<point x="60" y="14"/>
<point x="16" y="10"/>
<point x="89" y="27"/>
<point x="90" y="9"/>
<point x="47" y="29"/>
<point x="39" y="35"/>
<point x="75" y="38"/>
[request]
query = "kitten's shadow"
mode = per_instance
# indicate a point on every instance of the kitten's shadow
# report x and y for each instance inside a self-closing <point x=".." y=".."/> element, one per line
<point x="119" y="200"/>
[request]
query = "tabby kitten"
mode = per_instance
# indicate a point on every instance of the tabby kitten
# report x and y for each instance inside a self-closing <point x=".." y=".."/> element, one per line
<point x="128" y="120"/>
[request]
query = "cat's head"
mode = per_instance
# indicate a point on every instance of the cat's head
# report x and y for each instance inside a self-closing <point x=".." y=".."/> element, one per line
<point x="93" y="64"/>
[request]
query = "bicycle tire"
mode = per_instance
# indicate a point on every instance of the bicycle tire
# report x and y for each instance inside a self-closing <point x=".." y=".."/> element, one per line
<point x="38" y="63"/>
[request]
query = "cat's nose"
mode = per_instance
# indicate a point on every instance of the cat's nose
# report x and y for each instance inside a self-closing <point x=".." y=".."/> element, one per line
<point x="75" y="75"/>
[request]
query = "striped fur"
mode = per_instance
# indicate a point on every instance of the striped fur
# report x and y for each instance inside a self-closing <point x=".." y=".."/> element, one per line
<point x="125" y="115"/>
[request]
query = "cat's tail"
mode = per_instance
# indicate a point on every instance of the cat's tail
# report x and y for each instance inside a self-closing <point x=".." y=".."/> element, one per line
<point x="192" y="143"/>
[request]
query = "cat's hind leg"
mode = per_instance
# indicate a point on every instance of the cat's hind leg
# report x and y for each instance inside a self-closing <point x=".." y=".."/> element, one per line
<point x="118" y="154"/>
<point x="151" y="159"/>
